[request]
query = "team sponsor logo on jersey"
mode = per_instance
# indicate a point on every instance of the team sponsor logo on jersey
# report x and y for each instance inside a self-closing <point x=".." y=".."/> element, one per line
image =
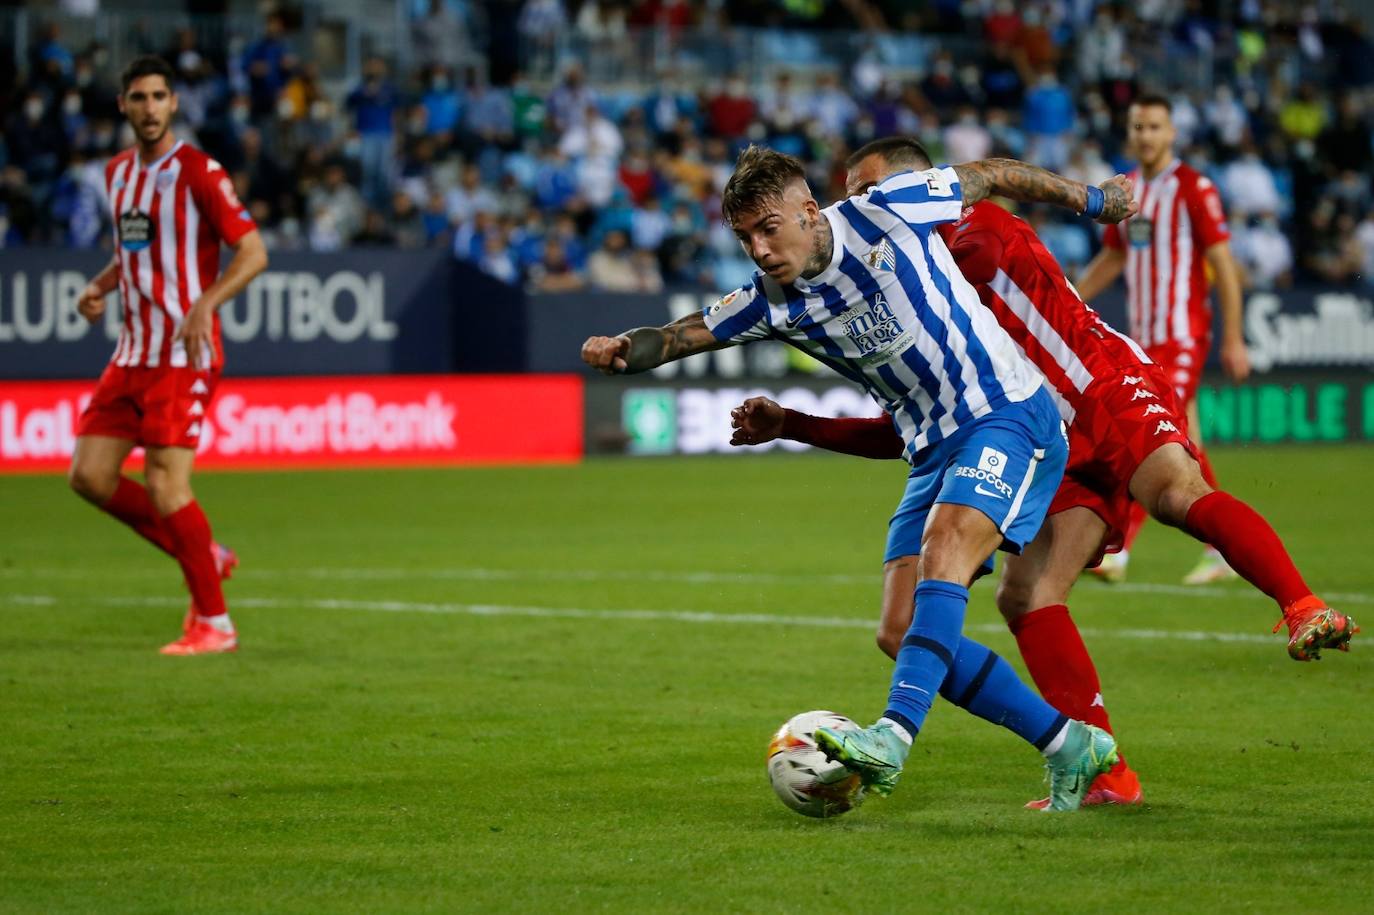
<point x="166" y="180"/>
<point x="1141" y="232"/>
<point x="882" y="257"/>
<point x="991" y="463"/>
<point x="135" y="230"/>
<point x="873" y="327"/>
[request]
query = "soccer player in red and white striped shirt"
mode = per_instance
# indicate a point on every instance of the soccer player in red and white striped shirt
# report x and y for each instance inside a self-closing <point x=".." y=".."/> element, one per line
<point x="1166" y="252"/>
<point x="173" y="207"/>
<point x="1127" y="439"/>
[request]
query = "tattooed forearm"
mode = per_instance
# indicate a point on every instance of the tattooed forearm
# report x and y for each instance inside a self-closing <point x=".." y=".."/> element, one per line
<point x="1019" y="181"/>
<point x="650" y="347"/>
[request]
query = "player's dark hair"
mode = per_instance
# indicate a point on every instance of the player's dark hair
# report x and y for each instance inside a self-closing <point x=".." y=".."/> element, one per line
<point x="761" y="176"/>
<point x="900" y="152"/>
<point x="1154" y="100"/>
<point x="147" y="65"/>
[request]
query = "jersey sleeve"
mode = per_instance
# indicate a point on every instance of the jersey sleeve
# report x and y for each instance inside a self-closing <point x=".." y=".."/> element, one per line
<point x="921" y="199"/>
<point x="1112" y="237"/>
<point x="213" y="193"/>
<point x="740" y="316"/>
<point x="1207" y="215"/>
<point x="977" y="250"/>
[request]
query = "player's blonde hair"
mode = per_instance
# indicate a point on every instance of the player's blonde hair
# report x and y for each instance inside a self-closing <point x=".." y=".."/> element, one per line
<point x="761" y="176"/>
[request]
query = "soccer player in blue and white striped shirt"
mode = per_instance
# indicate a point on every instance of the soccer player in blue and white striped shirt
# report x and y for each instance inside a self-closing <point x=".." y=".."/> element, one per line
<point x="869" y="289"/>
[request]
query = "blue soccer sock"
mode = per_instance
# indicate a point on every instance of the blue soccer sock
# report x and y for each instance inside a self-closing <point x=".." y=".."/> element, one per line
<point x="927" y="653"/>
<point x="986" y="685"/>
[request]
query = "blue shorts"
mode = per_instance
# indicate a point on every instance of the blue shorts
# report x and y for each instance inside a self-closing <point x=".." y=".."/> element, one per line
<point x="1006" y="464"/>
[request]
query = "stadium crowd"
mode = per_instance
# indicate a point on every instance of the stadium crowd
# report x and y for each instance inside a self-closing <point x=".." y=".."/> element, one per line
<point x="566" y="169"/>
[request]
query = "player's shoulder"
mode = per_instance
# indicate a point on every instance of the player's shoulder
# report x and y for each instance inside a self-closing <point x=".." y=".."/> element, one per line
<point x="1191" y="179"/>
<point x="120" y="158"/>
<point x="198" y="163"/>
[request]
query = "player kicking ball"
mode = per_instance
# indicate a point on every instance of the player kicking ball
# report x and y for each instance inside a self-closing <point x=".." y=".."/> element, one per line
<point x="868" y="288"/>
<point x="1127" y="438"/>
<point x="173" y="207"/>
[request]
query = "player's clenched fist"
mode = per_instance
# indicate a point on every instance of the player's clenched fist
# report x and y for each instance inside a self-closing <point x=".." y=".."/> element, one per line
<point x="91" y="305"/>
<point x="1119" y="202"/>
<point x="606" y="354"/>
<point x="756" y="421"/>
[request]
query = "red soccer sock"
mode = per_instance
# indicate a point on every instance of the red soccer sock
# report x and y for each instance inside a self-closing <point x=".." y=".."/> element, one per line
<point x="130" y="504"/>
<point x="189" y="530"/>
<point x="1248" y="544"/>
<point x="1133" y="525"/>
<point x="1060" y="665"/>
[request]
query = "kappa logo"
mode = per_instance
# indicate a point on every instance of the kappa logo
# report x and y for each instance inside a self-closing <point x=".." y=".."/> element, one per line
<point x="1165" y="426"/>
<point x="1132" y="380"/>
<point x="1143" y="394"/>
<point x="1097" y="702"/>
<point x="196" y="408"/>
<point x="194" y="430"/>
<point x="200" y="387"/>
<point x="1155" y="408"/>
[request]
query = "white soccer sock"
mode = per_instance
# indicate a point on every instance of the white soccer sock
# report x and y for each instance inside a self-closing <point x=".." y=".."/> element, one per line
<point x="1057" y="744"/>
<point x="219" y="621"/>
<point x="897" y="729"/>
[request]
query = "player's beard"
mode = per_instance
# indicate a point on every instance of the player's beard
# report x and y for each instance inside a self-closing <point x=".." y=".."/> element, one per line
<point x="151" y="140"/>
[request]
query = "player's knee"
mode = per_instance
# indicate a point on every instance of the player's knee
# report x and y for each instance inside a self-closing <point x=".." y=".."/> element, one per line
<point x="1172" y="502"/>
<point x="92" y="484"/>
<point x="167" y="494"/>
<point x="1015" y="598"/>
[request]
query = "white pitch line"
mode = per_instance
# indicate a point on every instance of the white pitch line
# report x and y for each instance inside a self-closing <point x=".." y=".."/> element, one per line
<point x="340" y="573"/>
<point x="580" y="613"/>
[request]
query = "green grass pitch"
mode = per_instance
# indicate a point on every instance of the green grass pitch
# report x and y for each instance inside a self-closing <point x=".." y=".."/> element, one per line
<point x="551" y="689"/>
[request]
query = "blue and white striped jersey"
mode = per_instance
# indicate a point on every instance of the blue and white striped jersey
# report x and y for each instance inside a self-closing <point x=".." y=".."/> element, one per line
<point x="892" y="312"/>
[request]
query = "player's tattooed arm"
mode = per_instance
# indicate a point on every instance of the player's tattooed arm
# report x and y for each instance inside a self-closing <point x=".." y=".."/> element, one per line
<point x="1032" y="184"/>
<point x="645" y="348"/>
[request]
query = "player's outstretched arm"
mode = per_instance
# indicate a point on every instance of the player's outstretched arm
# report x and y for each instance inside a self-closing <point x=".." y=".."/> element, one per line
<point x="1235" y="358"/>
<point x="646" y="348"/>
<point x="759" y="420"/>
<point x="1032" y="184"/>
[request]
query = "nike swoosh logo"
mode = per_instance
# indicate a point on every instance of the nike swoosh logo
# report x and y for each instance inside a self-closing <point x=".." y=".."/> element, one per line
<point x="793" y="322"/>
<point x="902" y="684"/>
<point x="986" y="492"/>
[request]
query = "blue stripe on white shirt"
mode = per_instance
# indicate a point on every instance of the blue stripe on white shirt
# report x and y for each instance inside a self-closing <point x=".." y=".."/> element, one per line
<point x="892" y="311"/>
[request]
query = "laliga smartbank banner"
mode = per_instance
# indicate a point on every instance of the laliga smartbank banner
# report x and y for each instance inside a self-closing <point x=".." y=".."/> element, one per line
<point x="354" y="421"/>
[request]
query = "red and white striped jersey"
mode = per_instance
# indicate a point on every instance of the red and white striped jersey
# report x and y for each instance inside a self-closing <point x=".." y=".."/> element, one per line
<point x="1025" y="288"/>
<point x="170" y="218"/>
<point x="1165" y="243"/>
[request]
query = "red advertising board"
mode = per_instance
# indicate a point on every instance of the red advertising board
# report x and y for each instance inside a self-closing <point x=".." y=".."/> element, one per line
<point x="353" y="421"/>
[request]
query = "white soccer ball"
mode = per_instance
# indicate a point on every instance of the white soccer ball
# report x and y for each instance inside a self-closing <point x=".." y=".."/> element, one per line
<point x="800" y="774"/>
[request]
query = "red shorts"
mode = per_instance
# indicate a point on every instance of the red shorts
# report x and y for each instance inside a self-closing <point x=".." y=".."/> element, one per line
<point x="1182" y="365"/>
<point x="161" y="407"/>
<point x="1120" y="422"/>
